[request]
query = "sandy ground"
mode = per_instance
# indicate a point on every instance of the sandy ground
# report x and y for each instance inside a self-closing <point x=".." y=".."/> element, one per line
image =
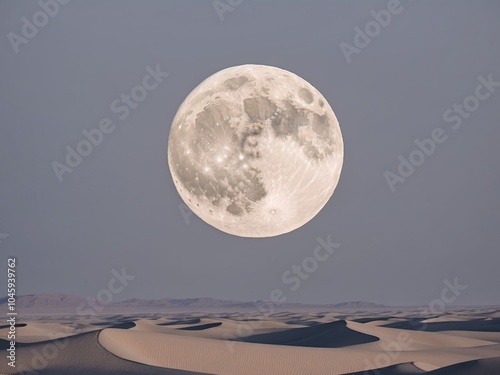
<point x="462" y="342"/>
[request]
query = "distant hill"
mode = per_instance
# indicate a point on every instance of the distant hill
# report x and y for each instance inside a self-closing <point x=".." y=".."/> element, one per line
<point x="45" y="301"/>
<point x="65" y="302"/>
<point x="358" y="305"/>
<point x="184" y="302"/>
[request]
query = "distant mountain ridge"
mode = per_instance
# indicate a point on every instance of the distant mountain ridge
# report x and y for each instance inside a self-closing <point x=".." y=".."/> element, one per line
<point x="66" y="301"/>
<point x="45" y="300"/>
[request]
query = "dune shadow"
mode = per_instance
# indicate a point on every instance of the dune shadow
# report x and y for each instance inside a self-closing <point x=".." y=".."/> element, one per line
<point x="400" y="369"/>
<point x="179" y="322"/>
<point x="482" y="325"/>
<point x="200" y="327"/>
<point x="327" y="335"/>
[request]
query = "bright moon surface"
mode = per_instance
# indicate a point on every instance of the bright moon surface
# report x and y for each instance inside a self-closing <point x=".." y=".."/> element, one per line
<point x="255" y="151"/>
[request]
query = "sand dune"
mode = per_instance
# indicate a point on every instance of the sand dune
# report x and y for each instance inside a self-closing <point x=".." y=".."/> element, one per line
<point x="420" y="339"/>
<point x="79" y="355"/>
<point x="221" y="357"/>
<point x="33" y="332"/>
<point x="490" y="366"/>
<point x="247" y="344"/>
<point x="486" y="336"/>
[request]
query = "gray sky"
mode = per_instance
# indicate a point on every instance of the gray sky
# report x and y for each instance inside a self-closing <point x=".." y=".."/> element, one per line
<point x="119" y="208"/>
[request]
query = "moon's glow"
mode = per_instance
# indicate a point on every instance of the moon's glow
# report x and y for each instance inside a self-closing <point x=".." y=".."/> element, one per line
<point x="255" y="151"/>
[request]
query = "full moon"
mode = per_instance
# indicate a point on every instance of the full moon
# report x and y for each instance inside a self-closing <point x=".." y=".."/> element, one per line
<point x="255" y="151"/>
